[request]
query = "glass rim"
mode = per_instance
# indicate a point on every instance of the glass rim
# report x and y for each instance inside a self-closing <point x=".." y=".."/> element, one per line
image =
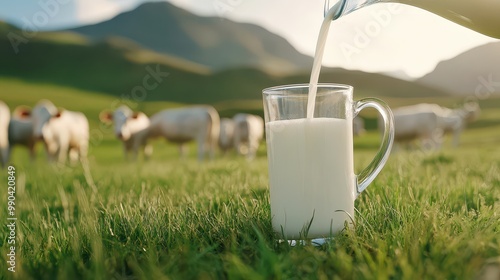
<point x="278" y="90"/>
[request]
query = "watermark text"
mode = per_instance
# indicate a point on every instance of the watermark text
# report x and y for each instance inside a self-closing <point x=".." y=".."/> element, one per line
<point x="11" y="218"/>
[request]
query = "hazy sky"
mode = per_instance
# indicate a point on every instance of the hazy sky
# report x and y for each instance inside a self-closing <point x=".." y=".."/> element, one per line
<point x="380" y="38"/>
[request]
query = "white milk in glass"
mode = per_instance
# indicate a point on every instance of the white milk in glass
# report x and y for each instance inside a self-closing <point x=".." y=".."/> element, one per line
<point x="311" y="175"/>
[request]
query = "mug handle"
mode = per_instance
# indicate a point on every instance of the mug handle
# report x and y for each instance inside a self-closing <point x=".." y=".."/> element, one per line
<point x="366" y="176"/>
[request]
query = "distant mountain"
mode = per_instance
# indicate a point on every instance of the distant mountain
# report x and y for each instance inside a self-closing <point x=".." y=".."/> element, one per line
<point x="373" y="84"/>
<point x="476" y="69"/>
<point x="400" y="74"/>
<point x="214" y="42"/>
<point x="114" y="66"/>
<point x="120" y="67"/>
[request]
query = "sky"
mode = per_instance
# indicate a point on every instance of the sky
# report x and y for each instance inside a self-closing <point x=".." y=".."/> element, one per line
<point x="395" y="38"/>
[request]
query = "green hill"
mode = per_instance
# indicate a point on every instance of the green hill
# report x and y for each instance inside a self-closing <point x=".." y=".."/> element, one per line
<point x="477" y="69"/>
<point x="16" y="92"/>
<point x="107" y="67"/>
<point x="215" y="42"/>
<point x="119" y="67"/>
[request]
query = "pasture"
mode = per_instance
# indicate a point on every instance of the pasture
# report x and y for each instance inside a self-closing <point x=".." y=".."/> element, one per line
<point x="426" y="216"/>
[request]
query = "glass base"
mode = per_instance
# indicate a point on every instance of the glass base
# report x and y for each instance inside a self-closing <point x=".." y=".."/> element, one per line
<point x="316" y="242"/>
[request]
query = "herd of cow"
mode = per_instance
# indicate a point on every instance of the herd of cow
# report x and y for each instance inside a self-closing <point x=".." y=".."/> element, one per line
<point x="66" y="133"/>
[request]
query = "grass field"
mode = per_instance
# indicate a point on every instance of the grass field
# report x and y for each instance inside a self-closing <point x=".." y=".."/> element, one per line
<point x="427" y="215"/>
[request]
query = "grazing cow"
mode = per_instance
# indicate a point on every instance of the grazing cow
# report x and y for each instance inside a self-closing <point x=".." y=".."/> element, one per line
<point x="226" y="136"/>
<point x="419" y="122"/>
<point x="456" y="120"/>
<point x="182" y="125"/>
<point x="358" y="126"/>
<point x="248" y="132"/>
<point x="131" y="128"/>
<point x="429" y="122"/>
<point x="4" y="128"/>
<point x="21" y="130"/>
<point x="63" y="132"/>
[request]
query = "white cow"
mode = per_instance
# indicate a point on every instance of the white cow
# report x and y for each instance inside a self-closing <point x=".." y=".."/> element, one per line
<point x="4" y="128"/>
<point x="63" y="132"/>
<point x="226" y="137"/>
<point x="457" y="120"/>
<point x="429" y="123"/>
<point x="21" y="130"/>
<point x="248" y="132"/>
<point x="181" y="125"/>
<point x="131" y="128"/>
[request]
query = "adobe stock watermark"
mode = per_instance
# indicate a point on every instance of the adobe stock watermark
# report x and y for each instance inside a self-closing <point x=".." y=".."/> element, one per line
<point x="11" y="219"/>
<point x="222" y="7"/>
<point x="31" y="26"/>
<point x="372" y="29"/>
<point x="150" y="81"/>
<point x="484" y="89"/>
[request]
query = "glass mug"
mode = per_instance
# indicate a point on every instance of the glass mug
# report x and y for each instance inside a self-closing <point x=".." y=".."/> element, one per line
<point x="311" y="169"/>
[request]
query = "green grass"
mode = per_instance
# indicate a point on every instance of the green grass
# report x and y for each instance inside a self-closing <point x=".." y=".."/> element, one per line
<point x="426" y="216"/>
